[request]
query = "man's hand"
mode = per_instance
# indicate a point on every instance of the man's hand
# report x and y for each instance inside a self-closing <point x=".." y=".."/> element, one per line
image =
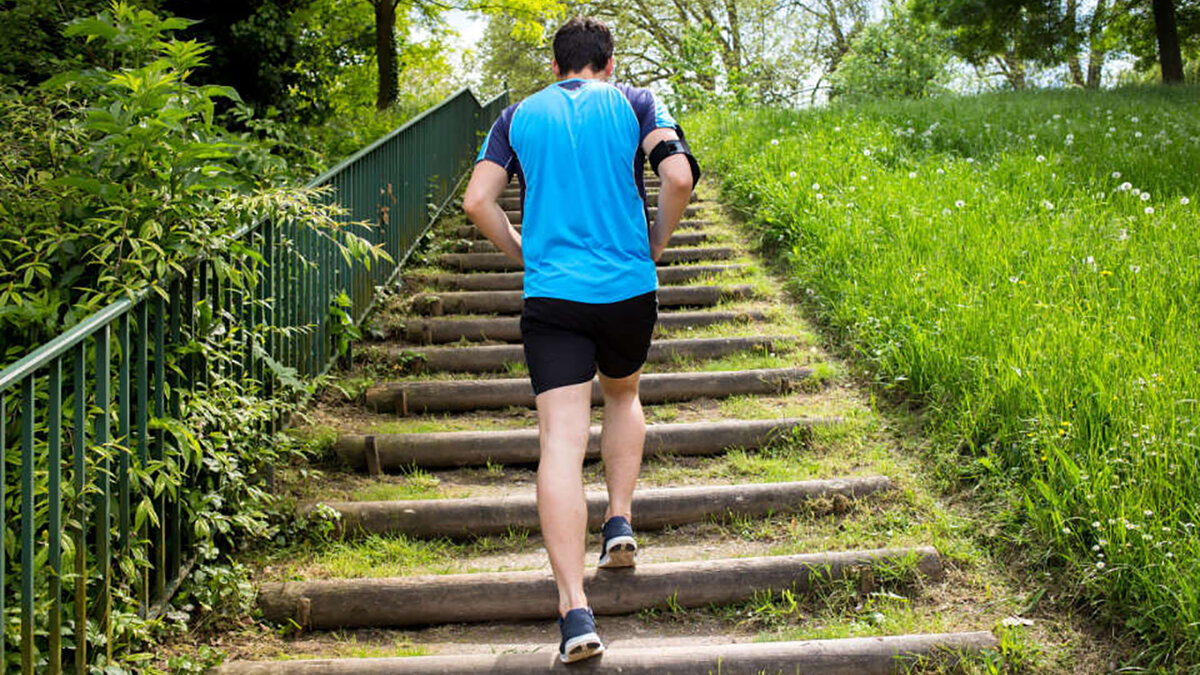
<point x="485" y="187"/>
<point x="673" y="196"/>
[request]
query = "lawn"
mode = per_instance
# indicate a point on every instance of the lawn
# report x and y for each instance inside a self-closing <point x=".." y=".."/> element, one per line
<point x="1026" y="267"/>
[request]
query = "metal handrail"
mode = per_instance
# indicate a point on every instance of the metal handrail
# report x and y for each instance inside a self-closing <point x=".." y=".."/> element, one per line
<point x="122" y="365"/>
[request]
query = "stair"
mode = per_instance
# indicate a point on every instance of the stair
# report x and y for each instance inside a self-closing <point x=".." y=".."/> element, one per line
<point x="738" y="401"/>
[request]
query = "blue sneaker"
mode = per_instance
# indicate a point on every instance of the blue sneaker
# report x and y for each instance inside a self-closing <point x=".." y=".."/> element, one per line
<point x="579" y="638"/>
<point x="619" y="548"/>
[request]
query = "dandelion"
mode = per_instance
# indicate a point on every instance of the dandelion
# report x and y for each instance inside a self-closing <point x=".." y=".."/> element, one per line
<point x="816" y="186"/>
<point x="970" y="160"/>
<point x="1047" y="204"/>
<point x="837" y="128"/>
<point x="1125" y="187"/>
<point x="945" y="212"/>
<point x="774" y="141"/>
<point x="1070" y="139"/>
<point x="1096" y="524"/>
<point x="1116" y="175"/>
<point x="1145" y="196"/>
<point x="1147" y="513"/>
<point x="820" y="196"/>
<point x="1014" y="279"/>
<point x="913" y="174"/>
<point x="1184" y="201"/>
<point x="1149" y="210"/>
<point x="1112" y="130"/>
<point x="1133" y="119"/>
<point x="1057" y="116"/>
<point x="1095" y="548"/>
<point x="1137" y="134"/>
<point x="1032" y="137"/>
<point x="1041" y="158"/>
<point x="791" y="174"/>
<point x="1135" y="192"/>
<point x="960" y="203"/>
<point x="941" y="171"/>
<point x="1135" y="269"/>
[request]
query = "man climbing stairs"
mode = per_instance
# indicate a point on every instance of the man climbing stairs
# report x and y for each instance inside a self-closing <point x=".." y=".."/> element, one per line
<point x="736" y="394"/>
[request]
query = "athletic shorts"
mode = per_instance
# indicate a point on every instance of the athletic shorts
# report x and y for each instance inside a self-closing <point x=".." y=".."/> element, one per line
<point x="566" y="341"/>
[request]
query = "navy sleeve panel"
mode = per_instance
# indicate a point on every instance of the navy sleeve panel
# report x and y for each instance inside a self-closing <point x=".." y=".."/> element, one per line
<point x="651" y="113"/>
<point x="496" y="147"/>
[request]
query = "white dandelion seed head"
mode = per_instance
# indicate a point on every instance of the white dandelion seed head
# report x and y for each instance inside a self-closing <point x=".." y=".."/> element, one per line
<point x="1133" y="119"/>
<point x="866" y="152"/>
<point x="791" y="174"/>
<point x="1135" y="269"/>
<point x="1137" y="134"/>
<point x="960" y="203"/>
<point x="1047" y="204"/>
<point x="913" y="174"/>
<point x="774" y="141"/>
<point x="1125" y="187"/>
<point x="1149" y="210"/>
<point x="820" y="196"/>
<point x="941" y="171"/>
<point x="1135" y="191"/>
<point x="1116" y="175"/>
<point x="1041" y="158"/>
<point x="816" y="186"/>
<point x="837" y="128"/>
<point x="970" y="160"/>
<point x="1145" y="196"/>
<point x="1184" y="201"/>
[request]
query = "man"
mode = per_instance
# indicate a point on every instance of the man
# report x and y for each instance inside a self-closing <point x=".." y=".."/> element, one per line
<point x="578" y="147"/>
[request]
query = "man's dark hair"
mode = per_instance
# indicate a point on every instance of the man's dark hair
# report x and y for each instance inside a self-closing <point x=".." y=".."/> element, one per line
<point x="582" y="42"/>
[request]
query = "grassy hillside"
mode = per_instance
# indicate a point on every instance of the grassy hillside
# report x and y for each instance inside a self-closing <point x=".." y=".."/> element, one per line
<point x="1028" y="268"/>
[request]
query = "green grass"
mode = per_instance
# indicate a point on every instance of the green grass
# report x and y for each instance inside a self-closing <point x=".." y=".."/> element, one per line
<point x="1027" y="266"/>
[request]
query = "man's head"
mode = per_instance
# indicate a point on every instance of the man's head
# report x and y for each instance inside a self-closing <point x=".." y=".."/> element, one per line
<point x="583" y="44"/>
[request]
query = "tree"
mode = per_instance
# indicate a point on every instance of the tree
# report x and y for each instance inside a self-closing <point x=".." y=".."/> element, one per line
<point x="1006" y="33"/>
<point x="504" y="60"/>
<point x="1158" y="33"/>
<point x="899" y="57"/>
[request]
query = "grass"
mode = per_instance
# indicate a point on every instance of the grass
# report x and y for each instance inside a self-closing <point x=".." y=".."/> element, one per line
<point x="1026" y="266"/>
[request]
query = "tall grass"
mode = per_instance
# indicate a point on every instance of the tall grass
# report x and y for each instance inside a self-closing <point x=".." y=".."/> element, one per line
<point x="1028" y="267"/>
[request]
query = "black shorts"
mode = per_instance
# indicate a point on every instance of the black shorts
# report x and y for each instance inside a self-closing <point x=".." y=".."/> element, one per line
<point x="565" y="341"/>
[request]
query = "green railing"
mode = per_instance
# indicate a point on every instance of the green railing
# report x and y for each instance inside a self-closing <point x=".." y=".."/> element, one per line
<point x="85" y="418"/>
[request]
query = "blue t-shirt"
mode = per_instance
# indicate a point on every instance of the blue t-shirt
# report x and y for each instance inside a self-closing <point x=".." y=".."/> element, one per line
<point x="576" y="148"/>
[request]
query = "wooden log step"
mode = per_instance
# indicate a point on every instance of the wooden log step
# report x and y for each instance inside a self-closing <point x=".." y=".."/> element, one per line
<point x="886" y="655"/>
<point x="510" y="302"/>
<point x="514" y="215"/>
<point x="677" y="240"/>
<point x="515" y="596"/>
<point x="496" y="358"/>
<point x="653" y="508"/>
<point x="472" y="232"/>
<point x="520" y="446"/>
<point x="460" y="395"/>
<point x="508" y="328"/>
<point x="515" y="281"/>
<point x="500" y="262"/>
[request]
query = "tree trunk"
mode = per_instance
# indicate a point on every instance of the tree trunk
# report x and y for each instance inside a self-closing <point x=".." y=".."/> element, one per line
<point x="385" y="53"/>
<point x="1013" y="70"/>
<point x="1096" y="52"/>
<point x="1071" y="26"/>
<point x="1169" y="56"/>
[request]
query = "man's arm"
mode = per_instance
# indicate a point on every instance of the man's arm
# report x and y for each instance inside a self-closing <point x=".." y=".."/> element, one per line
<point x="485" y="187"/>
<point x="673" y="196"/>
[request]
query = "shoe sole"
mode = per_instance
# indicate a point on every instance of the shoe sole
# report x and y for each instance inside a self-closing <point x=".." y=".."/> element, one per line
<point x="581" y="647"/>
<point x="621" y="552"/>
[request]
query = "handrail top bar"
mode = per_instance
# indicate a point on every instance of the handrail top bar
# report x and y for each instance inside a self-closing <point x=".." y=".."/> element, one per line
<point x="55" y="348"/>
<point x="330" y="173"/>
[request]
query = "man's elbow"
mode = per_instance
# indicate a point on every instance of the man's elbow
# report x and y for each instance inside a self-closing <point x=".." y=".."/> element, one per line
<point x="474" y="205"/>
<point x="678" y="177"/>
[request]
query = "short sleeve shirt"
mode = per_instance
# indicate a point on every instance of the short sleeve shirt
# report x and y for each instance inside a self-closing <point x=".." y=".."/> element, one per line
<point x="576" y="148"/>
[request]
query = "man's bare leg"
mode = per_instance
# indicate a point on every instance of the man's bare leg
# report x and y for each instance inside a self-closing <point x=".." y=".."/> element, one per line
<point x="564" y="415"/>
<point x="624" y="434"/>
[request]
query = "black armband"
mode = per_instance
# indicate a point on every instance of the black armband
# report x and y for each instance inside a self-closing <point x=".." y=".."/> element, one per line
<point x="665" y="149"/>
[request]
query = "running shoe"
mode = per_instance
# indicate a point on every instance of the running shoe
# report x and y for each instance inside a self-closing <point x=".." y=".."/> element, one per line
<point x="619" y="548"/>
<point x="579" y="638"/>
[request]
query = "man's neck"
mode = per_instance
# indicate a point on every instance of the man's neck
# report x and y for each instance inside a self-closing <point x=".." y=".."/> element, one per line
<point x="585" y="74"/>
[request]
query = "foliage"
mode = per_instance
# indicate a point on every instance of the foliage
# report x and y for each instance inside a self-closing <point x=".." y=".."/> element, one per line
<point x="120" y="178"/>
<point x="504" y="60"/>
<point x="32" y="44"/>
<point x="896" y="58"/>
<point x="1026" y="267"/>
